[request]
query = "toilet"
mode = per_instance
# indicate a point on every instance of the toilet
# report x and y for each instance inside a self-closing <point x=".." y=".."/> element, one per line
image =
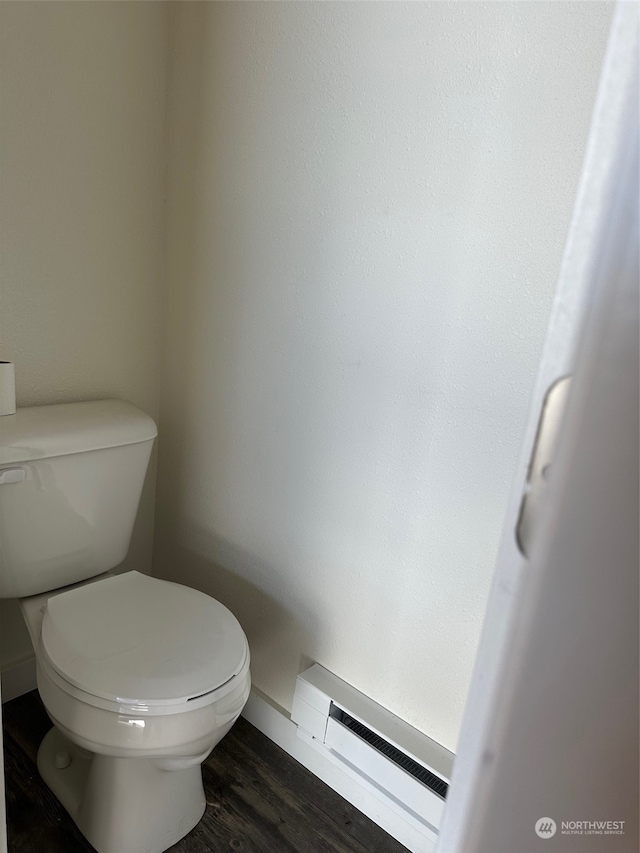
<point x="140" y="677"/>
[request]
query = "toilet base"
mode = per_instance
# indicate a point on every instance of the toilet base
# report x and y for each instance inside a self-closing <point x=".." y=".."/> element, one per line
<point x="122" y="805"/>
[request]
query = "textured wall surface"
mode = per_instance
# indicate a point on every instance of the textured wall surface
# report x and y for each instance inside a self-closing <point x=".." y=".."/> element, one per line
<point x="367" y="210"/>
<point x="82" y="119"/>
<point x="367" y="207"/>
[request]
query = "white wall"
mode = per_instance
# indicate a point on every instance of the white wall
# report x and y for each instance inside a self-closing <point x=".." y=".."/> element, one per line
<point x="367" y="209"/>
<point x="367" y="206"/>
<point x="82" y="120"/>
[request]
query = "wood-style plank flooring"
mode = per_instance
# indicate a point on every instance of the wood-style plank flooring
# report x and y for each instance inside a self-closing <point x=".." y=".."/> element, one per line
<point x="259" y="799"/>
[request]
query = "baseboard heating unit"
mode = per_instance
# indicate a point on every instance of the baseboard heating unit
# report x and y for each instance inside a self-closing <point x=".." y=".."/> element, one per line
<point x="401" y="766"/>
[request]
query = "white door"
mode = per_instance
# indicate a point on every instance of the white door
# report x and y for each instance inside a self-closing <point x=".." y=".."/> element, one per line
<point x="548" y="754"/>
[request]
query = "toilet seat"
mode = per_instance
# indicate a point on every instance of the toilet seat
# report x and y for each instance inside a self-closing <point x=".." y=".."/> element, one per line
<point x="139" y="708"/>
<point x="138" y="641"/>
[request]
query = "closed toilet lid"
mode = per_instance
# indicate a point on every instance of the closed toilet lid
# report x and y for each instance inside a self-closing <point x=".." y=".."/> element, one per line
<point x="139" y="639"/>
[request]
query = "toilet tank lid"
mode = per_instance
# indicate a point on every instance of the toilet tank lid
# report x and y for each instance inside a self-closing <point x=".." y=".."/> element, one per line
<point x="39" y="432"/>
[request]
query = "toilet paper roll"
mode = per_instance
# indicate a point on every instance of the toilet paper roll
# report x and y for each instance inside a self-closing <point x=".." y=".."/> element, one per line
<point x="7" y="388"/>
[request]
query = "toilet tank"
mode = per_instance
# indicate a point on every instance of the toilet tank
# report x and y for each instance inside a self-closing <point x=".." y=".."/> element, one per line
<point x="71" y="477"/>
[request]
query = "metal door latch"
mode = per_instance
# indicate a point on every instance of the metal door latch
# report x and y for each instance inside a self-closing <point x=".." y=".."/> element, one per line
<point x="541" y="459"/>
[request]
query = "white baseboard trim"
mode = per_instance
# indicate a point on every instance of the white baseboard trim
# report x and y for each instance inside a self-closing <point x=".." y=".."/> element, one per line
<point x="276" y="724"/>
<point x="18" y="678"/>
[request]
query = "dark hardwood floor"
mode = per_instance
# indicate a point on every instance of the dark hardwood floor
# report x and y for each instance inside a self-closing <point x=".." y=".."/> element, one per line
<point x="259" y="799"/>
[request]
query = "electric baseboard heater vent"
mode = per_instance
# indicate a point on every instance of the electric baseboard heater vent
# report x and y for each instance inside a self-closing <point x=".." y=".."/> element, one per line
<point x="437" y="785"/>
<point x="397" y="763"/>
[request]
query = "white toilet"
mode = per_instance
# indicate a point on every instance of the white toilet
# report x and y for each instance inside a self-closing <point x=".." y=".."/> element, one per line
<point x="141" y="677"/>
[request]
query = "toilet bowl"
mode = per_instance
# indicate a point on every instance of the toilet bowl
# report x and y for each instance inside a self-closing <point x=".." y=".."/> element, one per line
<point x="141" y="678"/>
